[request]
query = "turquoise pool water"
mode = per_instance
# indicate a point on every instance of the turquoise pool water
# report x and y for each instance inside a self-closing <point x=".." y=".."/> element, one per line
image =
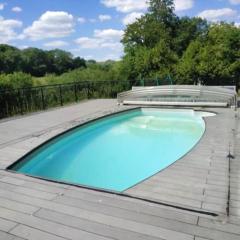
<point x="119" y="151"/>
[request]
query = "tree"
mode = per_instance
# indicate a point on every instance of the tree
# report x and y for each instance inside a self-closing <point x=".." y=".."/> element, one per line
<point x="163" y="11"/>
<point x="37" y="62"/>
<point x="62" y="61"/>
<point x="212" y="59"/>
<point x="10" y="59"/>
<point x="188" y="30"/>
<point x="34" y="61"/>
<point x="15" y="80"/>
<point x="187" y="68"/>
<point x="148" y="41"/>
<point x="219" y="56"/>
<point x="79" y="63"/>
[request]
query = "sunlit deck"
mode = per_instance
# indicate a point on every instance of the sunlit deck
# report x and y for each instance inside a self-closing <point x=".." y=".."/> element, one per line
<point x="189" y="200"/>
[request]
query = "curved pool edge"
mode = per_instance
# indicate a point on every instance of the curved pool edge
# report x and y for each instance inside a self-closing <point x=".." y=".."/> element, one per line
<point x="9" y="168"/>
<point x="179" y="159"/>
<point x="67" y="131"/>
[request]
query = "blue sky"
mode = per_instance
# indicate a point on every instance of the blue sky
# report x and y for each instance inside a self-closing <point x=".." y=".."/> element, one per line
<point x="90" y="28"/>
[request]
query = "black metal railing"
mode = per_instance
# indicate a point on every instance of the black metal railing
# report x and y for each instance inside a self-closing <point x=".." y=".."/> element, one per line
<point x="25" y="100"/>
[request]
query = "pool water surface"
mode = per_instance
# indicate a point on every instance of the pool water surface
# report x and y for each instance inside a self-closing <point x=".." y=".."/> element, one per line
<point x="118" y="151"/>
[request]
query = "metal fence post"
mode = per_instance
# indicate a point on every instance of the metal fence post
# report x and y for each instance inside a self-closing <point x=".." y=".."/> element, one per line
<point x="88" y="90"/>
<point x="60" y="92"/>
<point x="42" y="98"/>
<point x="20" y="102"/>
<point x="75" y="92"/>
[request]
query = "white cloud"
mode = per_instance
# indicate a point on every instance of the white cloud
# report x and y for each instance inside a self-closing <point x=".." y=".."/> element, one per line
<point x="104" y="44"/>
<point x="55" y="44"/>
<point x="97" y="57"/>
<point x="89" y="43"/>
<point x="23" y="46"/>
<point x="106" y="38"/>
<point x="103" y="18"/>
<point x="218" y="14"/>
<point x="112" y="56"/>
<point x="234" y="2"/>
<point x="109" y="34"/>
<point x="131" y="17"/>
<point x="2" y="5"/>
<point x="97" y="43"/>
<point x="181" y="5"/>
<point x="81" y="20"/>
<point x="126" y="5"/>
<point x="16" y="9"/>
<point x="237" y="24"/>
<point x="7" y="29"/>
<point x="92" y="20"/>
<point x="51" y="25"/>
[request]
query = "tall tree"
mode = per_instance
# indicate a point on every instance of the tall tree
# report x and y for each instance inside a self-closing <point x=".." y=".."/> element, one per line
<point x="187" y="30"/>
<point x="10" y="59"/>
<point x="163" y="11"/>
<point x="148" y="41"/>
<point x="34" y="61"/>
<point x="212" y="59"/>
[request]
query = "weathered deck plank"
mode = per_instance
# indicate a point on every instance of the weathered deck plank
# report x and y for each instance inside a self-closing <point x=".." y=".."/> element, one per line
<point x="34" y="209"/>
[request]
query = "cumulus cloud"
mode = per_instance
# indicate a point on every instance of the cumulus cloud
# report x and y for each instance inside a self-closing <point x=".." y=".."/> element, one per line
<point x="98" y="57"/>
<point x="215" y="15"/>
<point x="106" y="38"/>
<point x="109" y="34"/>
<point x="112" y="56"/>
<point x="237" y="24"/>
<point x="92" y="20"/>
<point x="81" y="20"/>
<point x="23" y="46"/>
<point x="125" y="6"/>
<point x="103" y="18"/>
<point x="8" y="29"/>
<point x="2" y="5"/>
<point x="97" y="43"/>
<point x="181" y="5"/>
<point x="88" y="43"/>
<point x="55" y="44"/>
<point x="51" y="25"/>
<point x="234" y="2"/>
<point x="131" y="17"/>
<point x="17" y="9"/>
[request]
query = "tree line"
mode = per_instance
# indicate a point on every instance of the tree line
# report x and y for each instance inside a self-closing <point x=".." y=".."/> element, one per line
<point x="160" y="45"/>
<point x="191" y="50"/>
<point x="37" y="62"/>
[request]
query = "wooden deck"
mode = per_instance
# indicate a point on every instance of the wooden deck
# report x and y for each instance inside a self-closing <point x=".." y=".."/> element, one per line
<point x="34" y="209"/>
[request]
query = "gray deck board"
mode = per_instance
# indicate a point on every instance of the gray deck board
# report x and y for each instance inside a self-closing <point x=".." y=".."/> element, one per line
<point x="90" y="226"/>
<point x="7" y="236"/>
<point x="32" y="233"/>
<point x="34" y="209"/>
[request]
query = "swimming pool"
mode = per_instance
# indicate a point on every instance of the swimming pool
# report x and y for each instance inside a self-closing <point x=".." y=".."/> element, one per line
<point x="118" y="151"/>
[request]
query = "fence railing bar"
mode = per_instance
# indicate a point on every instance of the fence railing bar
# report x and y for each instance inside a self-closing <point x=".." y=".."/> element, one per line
<point x="24" y="100"/>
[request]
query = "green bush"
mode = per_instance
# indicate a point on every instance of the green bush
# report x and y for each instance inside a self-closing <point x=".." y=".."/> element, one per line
<point x="15" y="80"/>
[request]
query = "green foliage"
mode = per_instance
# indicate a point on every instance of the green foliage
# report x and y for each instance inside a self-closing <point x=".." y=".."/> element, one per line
<point x="163" y="12"/>
<point x="10" y="59"/>
<point x="34" y="61"/>
<point x="148" y="42"/>
<point x="15" y="80"/>
<point x="159" y="45"/>
<point x="188" y="49"/>
<point x="107" y="71"/>
<point x="187" y="30"/>
<point x="37" y="62"/>
<point x="213" y="59"/>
